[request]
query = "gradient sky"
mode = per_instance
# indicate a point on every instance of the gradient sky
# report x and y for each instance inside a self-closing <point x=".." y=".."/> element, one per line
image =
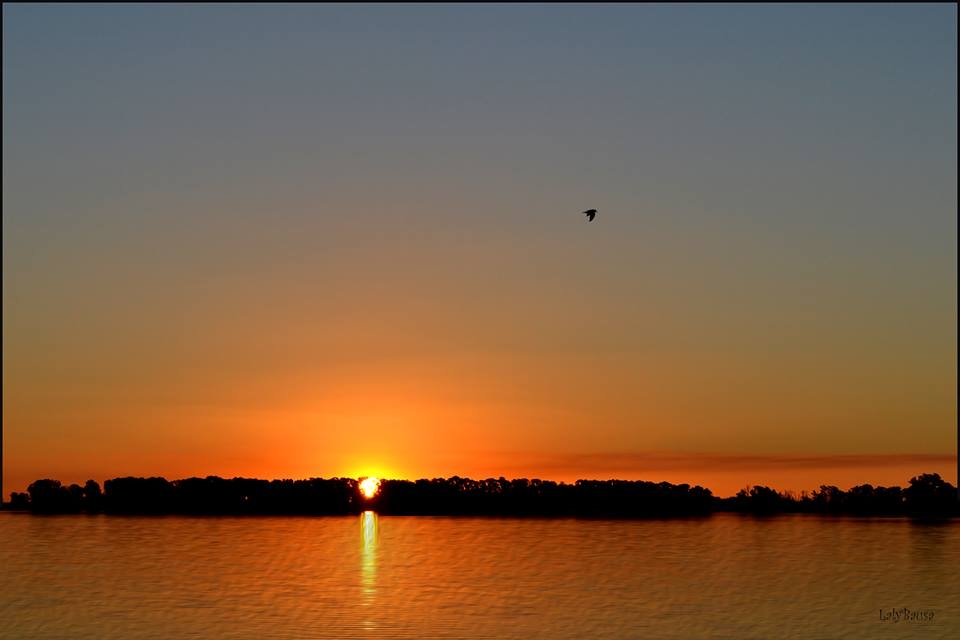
<point x="295" y="241"/>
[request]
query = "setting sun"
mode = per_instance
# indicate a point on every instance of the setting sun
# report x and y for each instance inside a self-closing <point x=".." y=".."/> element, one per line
<point x="369" y="487"/>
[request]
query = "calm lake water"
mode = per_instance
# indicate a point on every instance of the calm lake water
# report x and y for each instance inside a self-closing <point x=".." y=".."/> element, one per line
<point x="726" y="576"/>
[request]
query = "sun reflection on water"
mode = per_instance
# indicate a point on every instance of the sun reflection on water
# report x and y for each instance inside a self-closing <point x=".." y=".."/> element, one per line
<point x="369" y="532"/>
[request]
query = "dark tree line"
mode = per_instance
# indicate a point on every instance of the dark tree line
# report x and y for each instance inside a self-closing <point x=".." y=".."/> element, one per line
<point x="49" y="496"/>
<point x="523" y="497"/>
<point x="199" y="496"/>
<point x="439" y="496"/>
<point x="927" y="495"/>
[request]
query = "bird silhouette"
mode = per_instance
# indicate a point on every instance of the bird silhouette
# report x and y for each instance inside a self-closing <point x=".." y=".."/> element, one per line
<point x="590" y="213"/>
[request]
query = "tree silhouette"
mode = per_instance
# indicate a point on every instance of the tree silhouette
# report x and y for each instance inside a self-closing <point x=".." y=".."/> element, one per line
<point x="49" y="496"/>
<point x="930" y="494"/>
<point x="19" y="501"/>
<point x="760" y="499"/>
<point x="92" y="497"/>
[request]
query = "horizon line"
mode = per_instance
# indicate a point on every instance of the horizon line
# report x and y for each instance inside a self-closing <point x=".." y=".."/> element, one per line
<point x="429" y="479"/>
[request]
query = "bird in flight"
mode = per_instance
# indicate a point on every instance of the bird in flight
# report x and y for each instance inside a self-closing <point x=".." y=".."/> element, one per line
<point x="590" y="213"/>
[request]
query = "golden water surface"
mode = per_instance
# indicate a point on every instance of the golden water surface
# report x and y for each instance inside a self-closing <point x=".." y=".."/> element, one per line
<point x="369" y="576"/>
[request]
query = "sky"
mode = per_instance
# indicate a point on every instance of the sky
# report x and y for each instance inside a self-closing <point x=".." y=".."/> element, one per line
<point x="295" y="241"/>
